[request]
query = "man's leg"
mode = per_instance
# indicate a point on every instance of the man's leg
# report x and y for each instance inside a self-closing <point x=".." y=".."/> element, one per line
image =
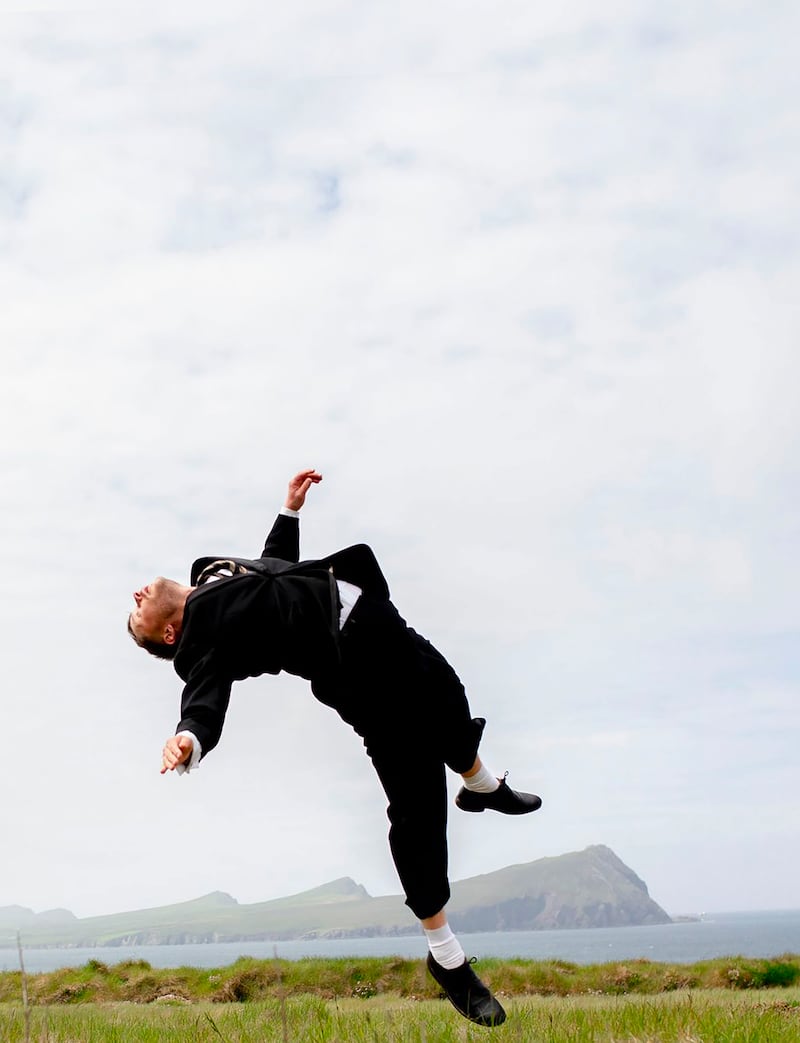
<point x="417" y="811"/>
<point x="382" y="654"/>
<point x="417" y="794"/>
<point x="459" y="736"/>
<point x="400" y="694"/>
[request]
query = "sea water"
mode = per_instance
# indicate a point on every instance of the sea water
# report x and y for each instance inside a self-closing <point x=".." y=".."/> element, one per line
<point x="721" y="934"/>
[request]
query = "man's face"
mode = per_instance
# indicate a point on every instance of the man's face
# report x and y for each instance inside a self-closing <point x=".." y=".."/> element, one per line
<point x="156" y="605"/>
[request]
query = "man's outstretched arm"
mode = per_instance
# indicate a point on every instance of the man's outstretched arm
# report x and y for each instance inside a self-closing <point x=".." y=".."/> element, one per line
<point x="284" y="537"/>
<point x="204" y="704"/>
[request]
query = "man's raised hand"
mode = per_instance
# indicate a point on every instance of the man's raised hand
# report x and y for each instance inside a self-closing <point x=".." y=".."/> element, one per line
<point x="176" y="751"/>
<point x="299" y="486"/>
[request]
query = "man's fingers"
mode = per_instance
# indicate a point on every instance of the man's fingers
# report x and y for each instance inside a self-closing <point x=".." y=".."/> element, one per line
<point x="177" y="751"/>
<point x="174" y="753"/>
<point x="299" y="486"/>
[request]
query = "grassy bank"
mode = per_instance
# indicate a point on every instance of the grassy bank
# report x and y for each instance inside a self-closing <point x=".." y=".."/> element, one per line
<point x="135" y="981"/>
<point x="733" y="1000"/>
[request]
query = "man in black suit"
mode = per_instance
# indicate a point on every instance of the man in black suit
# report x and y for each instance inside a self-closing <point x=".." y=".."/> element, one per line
<point x="332" y="622"/>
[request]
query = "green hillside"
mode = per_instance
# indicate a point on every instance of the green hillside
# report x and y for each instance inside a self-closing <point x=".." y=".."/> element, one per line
<point x="590" y="888"/>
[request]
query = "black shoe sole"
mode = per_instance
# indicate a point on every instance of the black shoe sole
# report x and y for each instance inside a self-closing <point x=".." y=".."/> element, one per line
<point x="500" y="811"/>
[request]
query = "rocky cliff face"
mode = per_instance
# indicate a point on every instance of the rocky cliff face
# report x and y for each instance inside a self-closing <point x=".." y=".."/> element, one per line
<point x="591" y="888"/>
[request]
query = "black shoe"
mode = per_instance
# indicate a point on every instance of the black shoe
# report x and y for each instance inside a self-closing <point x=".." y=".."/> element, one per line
<point x="503" y="799"/>
<point x="467" y="993"/>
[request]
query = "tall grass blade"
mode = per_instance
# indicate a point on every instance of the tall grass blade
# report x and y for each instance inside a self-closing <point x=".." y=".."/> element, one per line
<point x="213" y="1024"/>
<point x="25" y="1005"/>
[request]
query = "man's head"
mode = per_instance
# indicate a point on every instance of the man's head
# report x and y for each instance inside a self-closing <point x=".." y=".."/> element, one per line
<point x="156" y="621"/>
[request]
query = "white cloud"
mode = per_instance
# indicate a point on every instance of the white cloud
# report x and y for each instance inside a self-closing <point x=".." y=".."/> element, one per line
<point x="522" y="287"/>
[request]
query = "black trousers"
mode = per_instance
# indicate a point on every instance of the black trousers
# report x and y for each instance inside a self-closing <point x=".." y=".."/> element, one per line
<point x="406" y="701"/>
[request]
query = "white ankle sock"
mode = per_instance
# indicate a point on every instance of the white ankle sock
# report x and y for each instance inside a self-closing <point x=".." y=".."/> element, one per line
<point x="445" y="947"/>
<point x="482" y="781"/>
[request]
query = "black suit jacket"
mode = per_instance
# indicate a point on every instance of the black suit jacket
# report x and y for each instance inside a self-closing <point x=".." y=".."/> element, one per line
<point x="282" y="615"/>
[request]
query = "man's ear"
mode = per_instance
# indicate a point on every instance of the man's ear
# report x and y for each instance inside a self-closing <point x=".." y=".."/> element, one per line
<point x="171" y="635"/>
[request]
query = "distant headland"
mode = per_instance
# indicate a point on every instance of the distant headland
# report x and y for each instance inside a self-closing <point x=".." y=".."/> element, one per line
<point x="589" y="888"/>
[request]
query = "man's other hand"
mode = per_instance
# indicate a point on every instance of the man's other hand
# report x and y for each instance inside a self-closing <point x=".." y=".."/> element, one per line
<point x="299" y="486"/>
<point x="176" y="751"/>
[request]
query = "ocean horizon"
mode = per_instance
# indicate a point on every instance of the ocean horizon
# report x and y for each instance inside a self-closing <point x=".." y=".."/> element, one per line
<point x="755" y="934"/>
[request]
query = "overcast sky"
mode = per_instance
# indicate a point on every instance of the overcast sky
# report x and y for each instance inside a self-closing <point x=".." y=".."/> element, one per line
<point x="522" y="282"/>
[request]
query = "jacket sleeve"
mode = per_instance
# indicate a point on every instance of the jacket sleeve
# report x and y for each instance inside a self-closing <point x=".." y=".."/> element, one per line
<point x="204" y="703"/>
<point x="283" y="540"/>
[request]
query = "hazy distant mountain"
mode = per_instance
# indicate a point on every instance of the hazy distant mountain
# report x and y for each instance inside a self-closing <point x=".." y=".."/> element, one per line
<point x="17" y="917"/>
<point x="591" y="888"/>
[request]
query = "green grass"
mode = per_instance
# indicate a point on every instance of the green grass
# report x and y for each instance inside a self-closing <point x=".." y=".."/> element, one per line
<point x="251" y="980"/>
<point x="732" y="1000"/>
<point x="706" y="1016"/>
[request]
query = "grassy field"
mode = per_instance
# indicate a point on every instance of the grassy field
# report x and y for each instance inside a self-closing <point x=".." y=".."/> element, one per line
<point x="349" y="1001"/>
<point x="705" y="1016"/>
